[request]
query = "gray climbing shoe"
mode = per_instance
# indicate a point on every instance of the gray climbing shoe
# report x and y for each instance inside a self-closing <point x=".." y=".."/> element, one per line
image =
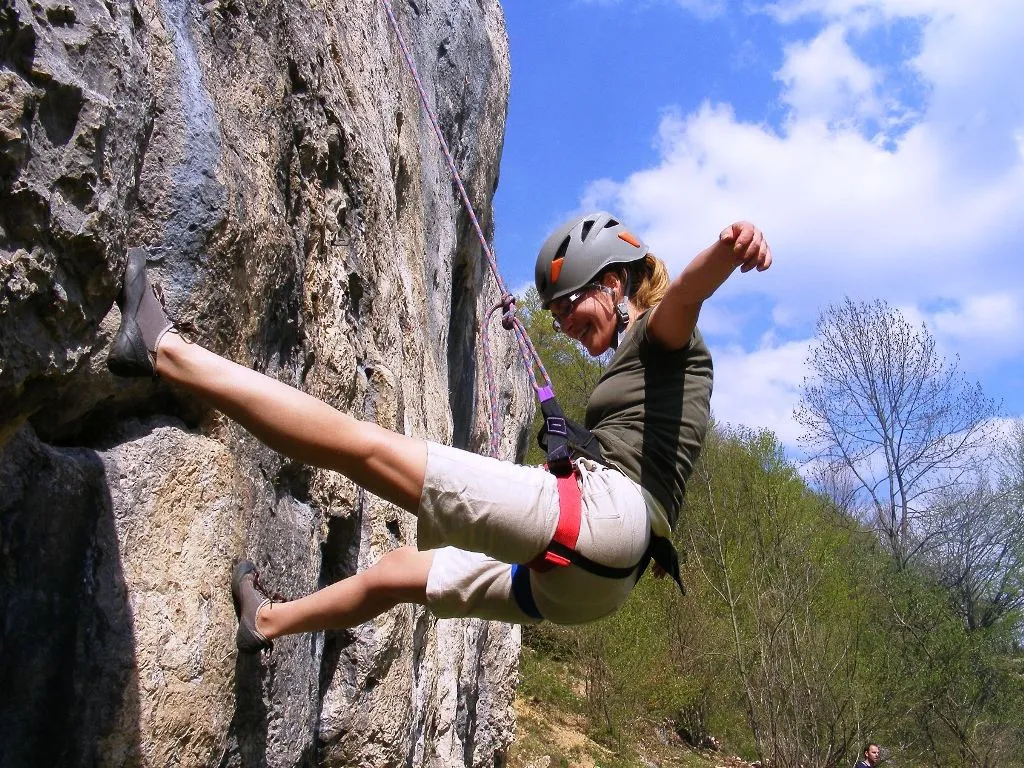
<point x="249" y="597"/>
<point x="143" y="322"/>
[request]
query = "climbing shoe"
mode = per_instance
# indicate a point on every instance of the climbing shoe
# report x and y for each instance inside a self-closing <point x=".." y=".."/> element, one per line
<point x="143" y="322"/>
<point x="249" y="597"/>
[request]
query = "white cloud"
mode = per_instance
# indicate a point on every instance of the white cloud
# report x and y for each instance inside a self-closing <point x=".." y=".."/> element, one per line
<point x="761" y="388"/>
<point x="842" y="214"/>
<point x="995" y="315"/>
<point x="985" y="326"/>
<point x="934" y="214"/>
<point x="788" y="11"/>
<point x="927" y="215"/>
<point x="825" y="80"/>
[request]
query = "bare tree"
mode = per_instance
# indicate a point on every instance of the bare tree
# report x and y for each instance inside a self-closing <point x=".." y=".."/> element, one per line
<point x="1009" y="463"/>
<point x="884" y="405"/>
<point x="980" y="551"/>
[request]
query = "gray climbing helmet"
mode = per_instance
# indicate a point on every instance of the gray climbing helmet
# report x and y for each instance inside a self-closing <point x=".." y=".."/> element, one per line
<point x="577" y="250"/>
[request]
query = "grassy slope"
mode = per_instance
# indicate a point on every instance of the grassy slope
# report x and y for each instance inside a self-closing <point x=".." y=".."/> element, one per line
<point x="552" y="731"/>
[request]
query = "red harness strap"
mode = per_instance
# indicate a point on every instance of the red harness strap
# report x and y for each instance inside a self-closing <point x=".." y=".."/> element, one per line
<point x="570" y="508"/>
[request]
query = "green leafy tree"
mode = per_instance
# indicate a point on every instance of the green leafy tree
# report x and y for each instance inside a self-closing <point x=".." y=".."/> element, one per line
<point x="950" y="695"/>
<point x="785" y="579"/>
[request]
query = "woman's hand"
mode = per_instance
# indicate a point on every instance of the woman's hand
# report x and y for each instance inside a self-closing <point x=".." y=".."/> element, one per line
<point x="748" y="246"/>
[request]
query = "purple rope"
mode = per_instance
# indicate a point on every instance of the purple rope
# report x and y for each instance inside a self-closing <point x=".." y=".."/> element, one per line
<point x="531" y="358"/>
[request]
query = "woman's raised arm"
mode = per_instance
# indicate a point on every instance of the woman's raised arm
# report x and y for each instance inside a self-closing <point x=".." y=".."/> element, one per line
<point x="739" y="245"/>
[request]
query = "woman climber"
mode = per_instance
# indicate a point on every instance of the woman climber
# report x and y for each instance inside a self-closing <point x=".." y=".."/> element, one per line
<point x="479" y="517"/>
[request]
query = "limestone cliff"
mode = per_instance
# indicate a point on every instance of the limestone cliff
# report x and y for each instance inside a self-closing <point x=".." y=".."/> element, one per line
<point x="273" y="156"/>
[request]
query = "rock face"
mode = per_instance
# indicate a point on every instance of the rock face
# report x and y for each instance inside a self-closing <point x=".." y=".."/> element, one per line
<point x="274" y="158"/>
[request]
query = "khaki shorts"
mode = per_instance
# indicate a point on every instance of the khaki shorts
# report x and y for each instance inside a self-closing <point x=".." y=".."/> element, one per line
<point x="485" y="514"/>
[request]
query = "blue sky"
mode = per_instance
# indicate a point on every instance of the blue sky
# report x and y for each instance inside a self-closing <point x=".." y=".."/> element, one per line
<point x="878" y="143"/>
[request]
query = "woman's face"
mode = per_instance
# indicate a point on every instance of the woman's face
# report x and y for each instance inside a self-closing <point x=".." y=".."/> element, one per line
<point x="591" y="319"/>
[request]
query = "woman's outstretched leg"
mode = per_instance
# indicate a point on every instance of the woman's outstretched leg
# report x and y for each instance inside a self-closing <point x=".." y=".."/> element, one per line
<point x="398" y="577"/>
<point x="298" y="425"/>
<point x="386" y="463"/>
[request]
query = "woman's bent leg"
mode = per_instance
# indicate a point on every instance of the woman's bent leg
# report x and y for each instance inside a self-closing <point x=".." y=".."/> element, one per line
<point x="298" y="425"/>
<point x="398" y="577"/>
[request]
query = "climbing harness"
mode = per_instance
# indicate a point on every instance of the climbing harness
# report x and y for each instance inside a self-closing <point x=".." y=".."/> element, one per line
<point x="561" y="438"/>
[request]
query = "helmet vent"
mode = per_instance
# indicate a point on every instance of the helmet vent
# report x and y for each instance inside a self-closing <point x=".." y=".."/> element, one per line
<point x="587" y="226"/>
<point x="611" y="223"/>
<point x="560" y="254"/>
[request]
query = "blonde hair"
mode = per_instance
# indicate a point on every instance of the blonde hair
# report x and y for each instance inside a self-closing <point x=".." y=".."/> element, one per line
<point x="650" y="279"/>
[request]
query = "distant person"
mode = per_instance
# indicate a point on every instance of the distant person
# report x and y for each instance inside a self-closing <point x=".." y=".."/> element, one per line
<point x="871" y="756"/>
<point x="480" y="519"/>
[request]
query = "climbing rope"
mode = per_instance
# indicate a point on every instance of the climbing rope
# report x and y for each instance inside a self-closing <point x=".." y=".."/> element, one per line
<point x="509" y="320"/>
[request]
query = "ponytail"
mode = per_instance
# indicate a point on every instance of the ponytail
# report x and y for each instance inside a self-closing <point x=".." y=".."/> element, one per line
<point x="651" y="281"/>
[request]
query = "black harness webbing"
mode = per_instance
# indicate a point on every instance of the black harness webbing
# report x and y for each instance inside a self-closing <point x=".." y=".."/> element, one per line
<point x="562" y="439"/>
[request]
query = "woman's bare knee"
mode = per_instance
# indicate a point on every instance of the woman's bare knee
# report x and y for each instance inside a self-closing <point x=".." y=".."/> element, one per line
<point x="388" y="464"/>
<point x="402" y="574"/>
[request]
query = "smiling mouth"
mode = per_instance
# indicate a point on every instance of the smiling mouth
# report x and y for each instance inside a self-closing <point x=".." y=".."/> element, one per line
<point x="579" y="333"/>
<point x="587" y="335"/>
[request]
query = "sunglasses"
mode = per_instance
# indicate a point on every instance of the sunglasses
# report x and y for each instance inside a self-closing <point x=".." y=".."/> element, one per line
<point x="564" y="306"/>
